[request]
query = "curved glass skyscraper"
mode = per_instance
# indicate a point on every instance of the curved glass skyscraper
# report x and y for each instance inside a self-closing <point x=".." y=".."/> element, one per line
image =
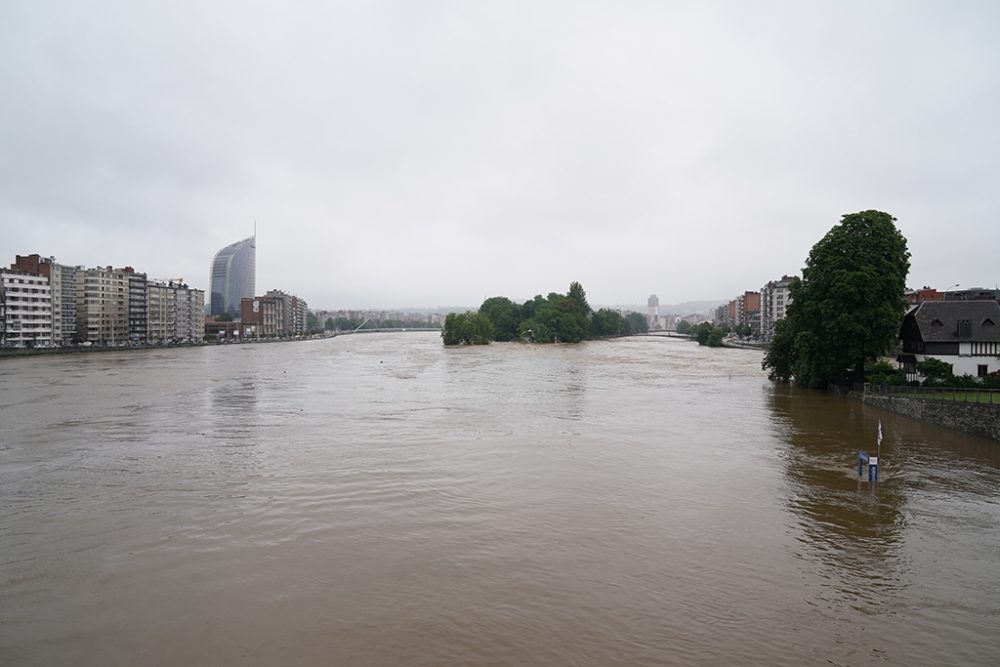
<point x="234" y="276"/>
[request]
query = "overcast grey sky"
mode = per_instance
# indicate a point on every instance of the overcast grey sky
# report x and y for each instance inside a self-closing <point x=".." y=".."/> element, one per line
<point x="422" y="153"/>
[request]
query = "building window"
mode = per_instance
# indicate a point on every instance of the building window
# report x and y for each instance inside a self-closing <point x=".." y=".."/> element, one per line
<point x="964" y="328"/>
<point x="983" y="370"/>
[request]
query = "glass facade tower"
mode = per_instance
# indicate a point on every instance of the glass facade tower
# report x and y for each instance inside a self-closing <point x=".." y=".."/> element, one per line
<point x="234" y="276"/>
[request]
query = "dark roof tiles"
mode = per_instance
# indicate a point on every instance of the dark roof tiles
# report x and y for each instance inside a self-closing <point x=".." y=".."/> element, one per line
<point x="983" y="316"/>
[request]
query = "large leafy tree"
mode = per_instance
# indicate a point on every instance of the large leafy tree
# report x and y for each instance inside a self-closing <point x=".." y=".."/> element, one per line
<point x="505" y="316"/>
<point x="467" y="329"/>
<point x="848" y="305"/>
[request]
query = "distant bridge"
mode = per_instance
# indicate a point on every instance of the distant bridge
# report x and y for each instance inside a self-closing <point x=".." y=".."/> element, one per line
<point x="665" y="334"/>
<point x="386" y="330"/>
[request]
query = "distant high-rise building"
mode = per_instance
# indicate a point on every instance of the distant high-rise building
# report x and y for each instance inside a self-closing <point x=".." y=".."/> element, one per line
<point x="234" y="277"/>
<point x="653" y="311"/>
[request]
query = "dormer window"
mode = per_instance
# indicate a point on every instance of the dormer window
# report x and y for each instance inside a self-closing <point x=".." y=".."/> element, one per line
<point x="988" y="322"/>
<point x="937" y="323"/>
<point x="964" y="328"/>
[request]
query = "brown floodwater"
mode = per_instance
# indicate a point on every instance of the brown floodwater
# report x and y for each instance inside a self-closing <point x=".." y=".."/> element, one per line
<point x="381" y="500"/>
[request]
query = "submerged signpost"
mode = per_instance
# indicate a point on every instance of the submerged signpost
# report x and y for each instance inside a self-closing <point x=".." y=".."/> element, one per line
<point x="872" y="461"/>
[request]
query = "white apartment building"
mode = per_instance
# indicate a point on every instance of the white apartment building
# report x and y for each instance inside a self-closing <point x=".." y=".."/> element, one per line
<point x="62" y="284"/>
<point x="774" y="301"/>
<point x="25" y="309"/>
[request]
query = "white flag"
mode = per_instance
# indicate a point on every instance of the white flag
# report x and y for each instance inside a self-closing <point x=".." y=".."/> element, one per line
<point x="880" y="432"/>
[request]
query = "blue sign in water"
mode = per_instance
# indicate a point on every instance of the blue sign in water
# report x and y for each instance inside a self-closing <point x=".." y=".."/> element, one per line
<point x="872" y="462"/>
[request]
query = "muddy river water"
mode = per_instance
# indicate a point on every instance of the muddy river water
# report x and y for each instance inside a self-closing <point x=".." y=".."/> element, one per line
<point x="381" y="500"/>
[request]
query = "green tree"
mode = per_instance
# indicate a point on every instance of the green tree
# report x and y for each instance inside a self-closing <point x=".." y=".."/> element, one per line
<point x="505" y="316"/>
<point x="467" y="329"/>
<point x="708" y="335"/>
<point x="328" y="325"/>
<point x="715" y="337"/>
<point x="224" y="317"/>
<point x="563" y="318"/>
<point x="882" y="372"/>
<point x="578" y="306"/>
<point x="848" y="305"/>
<point x="684" y="327"/>
<point x="936" y="372"/>
<point x="606" y="322"/>
<point x="312" y="323"/>
<point x="529" y="308"/>
<point x="637" y="323"/>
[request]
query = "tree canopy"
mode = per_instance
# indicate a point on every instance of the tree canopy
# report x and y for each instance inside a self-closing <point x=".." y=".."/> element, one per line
<point x="467" y="329"/>
<point x="708" y="334"/>
<point x="848" y="305"/>
<point x="505" y="316"/>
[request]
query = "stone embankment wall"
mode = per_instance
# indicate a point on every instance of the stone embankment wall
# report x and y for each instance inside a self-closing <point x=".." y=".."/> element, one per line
<point x="972" y="418"/>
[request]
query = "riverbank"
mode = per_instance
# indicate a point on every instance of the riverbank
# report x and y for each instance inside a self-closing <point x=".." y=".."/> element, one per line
<point x="744" y="345"/>
<point x="42" y="351"/>
<point x="45" y="351"/>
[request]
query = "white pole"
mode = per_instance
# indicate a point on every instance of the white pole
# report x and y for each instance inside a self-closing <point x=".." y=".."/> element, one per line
<point x="878" y="445"/>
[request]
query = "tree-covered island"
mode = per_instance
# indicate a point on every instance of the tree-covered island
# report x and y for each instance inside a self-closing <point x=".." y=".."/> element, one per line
<point x="556" y="318"/>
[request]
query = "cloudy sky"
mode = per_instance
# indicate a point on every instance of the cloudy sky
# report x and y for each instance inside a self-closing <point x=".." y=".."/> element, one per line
<point x="424" y="153"/>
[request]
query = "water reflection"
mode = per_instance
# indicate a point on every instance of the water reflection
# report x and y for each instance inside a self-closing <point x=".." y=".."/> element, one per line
<point x="855" y="529"/>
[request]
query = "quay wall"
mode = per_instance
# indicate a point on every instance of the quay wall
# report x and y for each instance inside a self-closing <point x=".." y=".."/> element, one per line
<point x="973" y="418"/>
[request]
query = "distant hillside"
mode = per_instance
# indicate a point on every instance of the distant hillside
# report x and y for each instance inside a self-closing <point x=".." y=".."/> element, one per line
<point x="689" y="307"/>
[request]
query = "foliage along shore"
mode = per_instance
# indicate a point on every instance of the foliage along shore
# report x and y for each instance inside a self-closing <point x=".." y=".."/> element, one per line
<point x="557" y="318"/>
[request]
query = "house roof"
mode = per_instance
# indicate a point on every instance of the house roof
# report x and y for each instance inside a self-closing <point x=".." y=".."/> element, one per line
<point x="938" y="321"/>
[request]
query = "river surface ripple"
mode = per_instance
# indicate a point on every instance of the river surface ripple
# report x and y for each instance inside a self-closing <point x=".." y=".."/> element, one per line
<point x="381" y="500"/>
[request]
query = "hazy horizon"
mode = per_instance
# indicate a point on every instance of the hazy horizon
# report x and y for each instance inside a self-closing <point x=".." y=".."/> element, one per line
<point x="442" y="152"/>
